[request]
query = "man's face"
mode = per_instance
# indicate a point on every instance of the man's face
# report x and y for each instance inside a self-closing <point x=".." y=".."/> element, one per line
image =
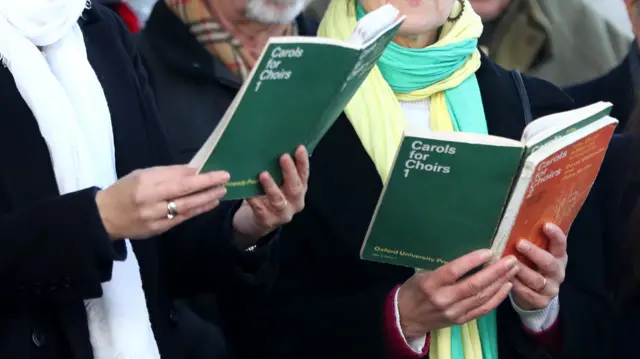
<point x="275" y="11"/>
<point x="489" y="9"/>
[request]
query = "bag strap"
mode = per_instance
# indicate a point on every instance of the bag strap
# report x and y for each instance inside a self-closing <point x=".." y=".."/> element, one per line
<point x="524" y="97"/>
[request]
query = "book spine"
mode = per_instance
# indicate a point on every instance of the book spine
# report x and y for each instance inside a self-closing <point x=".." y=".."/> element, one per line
<point x="511" y="211"/>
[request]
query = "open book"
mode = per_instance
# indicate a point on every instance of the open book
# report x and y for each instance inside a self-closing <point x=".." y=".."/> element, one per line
<point x="296" y="91"/>
<point x="452" y="193"/>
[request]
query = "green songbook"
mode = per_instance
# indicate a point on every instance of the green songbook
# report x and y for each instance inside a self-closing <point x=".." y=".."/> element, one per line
<point x="451" y="193"/>
<point x="296" y="91"/>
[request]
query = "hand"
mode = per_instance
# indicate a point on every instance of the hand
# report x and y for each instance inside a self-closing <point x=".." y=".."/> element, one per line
<point x="430" y="301"/>
<point x="136" y="206"/>
<point x="533" y="289"/>
<point x="260" y="215"/>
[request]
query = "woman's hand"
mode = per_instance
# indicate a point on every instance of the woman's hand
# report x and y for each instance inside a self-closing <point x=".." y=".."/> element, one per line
<point x="430" y="301"/>
<point x="137" y="206"/>
<point x="534" y="289"/>
<point x="259" y="216"/>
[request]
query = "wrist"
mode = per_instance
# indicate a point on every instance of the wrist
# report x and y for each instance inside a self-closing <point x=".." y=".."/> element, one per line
<point x="102" y="203"/>
<point x="246" y="230"/>
<point x="411" y="329"/>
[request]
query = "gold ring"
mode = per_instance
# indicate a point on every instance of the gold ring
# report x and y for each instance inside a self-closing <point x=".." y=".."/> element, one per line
<point x="544" y="284"/>
<point x="172" y="210"/>
<point x="281" y="208"/>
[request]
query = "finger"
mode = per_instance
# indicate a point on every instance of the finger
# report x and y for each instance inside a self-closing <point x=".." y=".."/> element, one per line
<point x="534" y="299"/>
<point x="258" y="206"/>
<point x="174" y="188"/>
<point x="276" y="199"/>
<point x="547" y="264"/>
<point x="458" y="311"/>
<point x="473" y="286"/>
<point x="454" y="270"/>
<point x="302" y="163"/>
<point x="163" y="173"/>
<point x="531" y="278"/>
<point x="490" y="305"/>
<point x="189" y="203"/>
<point x="292" y="186"/>
<point x="557" y="240"/>
<point x="166" y="224"/>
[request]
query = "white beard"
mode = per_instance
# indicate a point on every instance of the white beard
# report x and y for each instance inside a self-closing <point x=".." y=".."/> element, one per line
<point x="260" y="10"/>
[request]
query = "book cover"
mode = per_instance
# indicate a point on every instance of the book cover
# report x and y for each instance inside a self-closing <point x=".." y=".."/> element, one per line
<point x="444" y="199"/>
<point x="558" y="188"/>
<point x="297" y="90"/>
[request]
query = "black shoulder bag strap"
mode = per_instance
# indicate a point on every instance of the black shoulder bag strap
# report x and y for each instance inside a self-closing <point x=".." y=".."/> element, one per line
<point x="524" y="98"/>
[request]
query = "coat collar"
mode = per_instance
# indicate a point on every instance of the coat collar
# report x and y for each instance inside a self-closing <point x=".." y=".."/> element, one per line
<point x="173" y="43"/>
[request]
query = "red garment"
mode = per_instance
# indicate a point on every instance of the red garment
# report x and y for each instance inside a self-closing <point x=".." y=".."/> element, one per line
<point x="550" y="339"/>
<point x="128" y="16"/>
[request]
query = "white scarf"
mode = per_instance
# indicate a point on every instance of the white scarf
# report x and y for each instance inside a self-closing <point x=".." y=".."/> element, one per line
<point x="65" y="96"/>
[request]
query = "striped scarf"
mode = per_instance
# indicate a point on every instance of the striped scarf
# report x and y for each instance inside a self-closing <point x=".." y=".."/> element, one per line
<point x="219" y="42"/>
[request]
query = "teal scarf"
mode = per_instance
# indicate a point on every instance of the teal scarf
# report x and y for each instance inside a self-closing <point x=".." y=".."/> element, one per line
<point x="411" y="70"/>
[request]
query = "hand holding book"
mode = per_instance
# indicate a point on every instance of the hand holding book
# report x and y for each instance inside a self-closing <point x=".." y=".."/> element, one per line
<point x="433" y="300"/>
<point x="533" y="289"/>
<point x="260" y="215"/>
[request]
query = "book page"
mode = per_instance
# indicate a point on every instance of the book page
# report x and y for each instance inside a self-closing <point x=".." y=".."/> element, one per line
<point x="373" y="24"/>
<point x="557" y="125"/>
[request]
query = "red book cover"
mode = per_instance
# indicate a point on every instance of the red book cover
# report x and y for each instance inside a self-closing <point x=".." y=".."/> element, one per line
<point x="558" y="188"/>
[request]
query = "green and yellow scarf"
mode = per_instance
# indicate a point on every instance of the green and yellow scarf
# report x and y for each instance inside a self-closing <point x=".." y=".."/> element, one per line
<point x="444" y="73"/>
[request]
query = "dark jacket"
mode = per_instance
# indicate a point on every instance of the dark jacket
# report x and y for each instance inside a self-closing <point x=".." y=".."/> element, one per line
<point x="619" y="86"/>
<point x="55" y="250"/>
<point x="326" y="302"/>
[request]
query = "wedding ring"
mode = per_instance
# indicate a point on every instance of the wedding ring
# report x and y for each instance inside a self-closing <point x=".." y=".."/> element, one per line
<point x="172" y="210"/>
<point x="544" y="284"/>
<point x="281" y="208"/>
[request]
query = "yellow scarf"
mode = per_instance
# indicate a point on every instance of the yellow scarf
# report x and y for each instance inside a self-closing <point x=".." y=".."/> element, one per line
<point x="374" y="111"/>
<point x="379" y="121"/>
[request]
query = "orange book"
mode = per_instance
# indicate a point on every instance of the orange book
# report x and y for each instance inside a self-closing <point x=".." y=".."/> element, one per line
<point x="554" y="182"/>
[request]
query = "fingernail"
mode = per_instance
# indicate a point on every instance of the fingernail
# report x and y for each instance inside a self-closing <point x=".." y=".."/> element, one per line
<point x="507" y="287"/>
<point x="512" y="273"/>
<point x="511" y="261"/>
<point x="524" y="245"/>
<point x="486" y="254"/>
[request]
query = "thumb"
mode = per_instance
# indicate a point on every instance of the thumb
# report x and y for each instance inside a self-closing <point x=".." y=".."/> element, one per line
<point x="557" y="240"/>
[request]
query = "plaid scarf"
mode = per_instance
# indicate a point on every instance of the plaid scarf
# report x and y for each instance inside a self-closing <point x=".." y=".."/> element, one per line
<point x="220" y="43"/>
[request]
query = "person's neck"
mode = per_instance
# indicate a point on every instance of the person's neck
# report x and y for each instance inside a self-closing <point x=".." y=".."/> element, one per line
<point x="419" y="41"/>
<point x="253" y="35"/>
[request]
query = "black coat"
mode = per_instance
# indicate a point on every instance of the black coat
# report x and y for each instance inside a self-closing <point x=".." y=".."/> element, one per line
<point x="326" y="302"/>
<point x="617" y="87"/>
<point x="55" y="251"/>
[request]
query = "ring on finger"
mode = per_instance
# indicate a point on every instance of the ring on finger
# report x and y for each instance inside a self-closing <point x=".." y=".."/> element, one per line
<point x="172" y="210"/>
<point x="544" y="284"/>
<point x="281" y="207"/>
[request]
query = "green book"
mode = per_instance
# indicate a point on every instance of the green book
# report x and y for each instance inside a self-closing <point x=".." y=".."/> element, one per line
<point x="450" y="193"/>
<point x="295" y="92"/>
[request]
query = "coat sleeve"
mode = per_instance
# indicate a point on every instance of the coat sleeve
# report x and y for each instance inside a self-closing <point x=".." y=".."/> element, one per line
<point x="57" y="250"/>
